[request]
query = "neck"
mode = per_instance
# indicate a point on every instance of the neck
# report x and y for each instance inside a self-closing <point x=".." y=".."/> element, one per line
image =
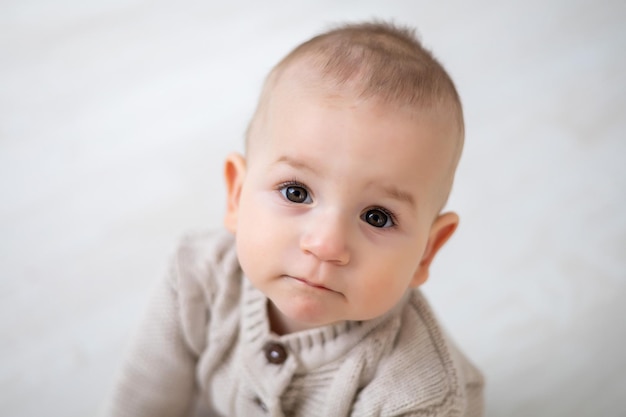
<point x="281" y="324"/>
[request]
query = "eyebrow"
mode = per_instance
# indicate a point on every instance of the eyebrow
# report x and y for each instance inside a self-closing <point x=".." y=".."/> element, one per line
<point x="398" y="194"/>
<point x="295" y="163"/>
<point x="390" y="190"/>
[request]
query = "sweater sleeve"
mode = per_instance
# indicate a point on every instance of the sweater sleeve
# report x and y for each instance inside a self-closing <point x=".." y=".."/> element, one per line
<point x="157" y="378"/>
<point x="474" y="390"/>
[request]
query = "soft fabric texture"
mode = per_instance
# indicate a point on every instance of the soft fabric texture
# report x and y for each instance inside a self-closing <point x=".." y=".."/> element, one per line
<point x="205" y="348"/>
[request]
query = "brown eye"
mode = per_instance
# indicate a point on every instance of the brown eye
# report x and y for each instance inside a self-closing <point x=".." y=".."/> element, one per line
<point x="377" y="218"/>
<point x="296" y="194"/>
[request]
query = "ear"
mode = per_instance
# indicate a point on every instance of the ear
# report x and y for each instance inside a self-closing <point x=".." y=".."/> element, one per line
<point x="234" y="174"/>
<point x="441" y="230"/>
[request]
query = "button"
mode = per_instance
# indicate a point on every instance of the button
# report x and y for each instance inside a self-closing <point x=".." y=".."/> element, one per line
<point x="275" y="353"/>
<point x="260" y="403"/>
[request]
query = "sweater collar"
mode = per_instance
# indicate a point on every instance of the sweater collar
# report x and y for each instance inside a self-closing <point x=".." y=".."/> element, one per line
<point x="313" y="347"/>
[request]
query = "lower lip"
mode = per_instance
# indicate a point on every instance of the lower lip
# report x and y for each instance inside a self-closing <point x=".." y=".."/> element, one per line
<point x="308" y="284"/>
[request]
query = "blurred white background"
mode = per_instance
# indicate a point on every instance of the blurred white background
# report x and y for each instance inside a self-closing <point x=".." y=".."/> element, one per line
<point x="115" y="117"/>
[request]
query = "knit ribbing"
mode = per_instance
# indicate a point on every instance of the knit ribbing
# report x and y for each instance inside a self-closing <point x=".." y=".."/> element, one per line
<point x="209" y="320"/>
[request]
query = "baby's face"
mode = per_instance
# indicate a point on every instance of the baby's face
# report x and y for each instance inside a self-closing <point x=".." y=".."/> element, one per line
<point x="338" y="200"/>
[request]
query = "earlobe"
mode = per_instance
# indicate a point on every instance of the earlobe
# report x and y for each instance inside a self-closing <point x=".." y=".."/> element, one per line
<point x="234" y="174"/>
<point x="441" y="230"/>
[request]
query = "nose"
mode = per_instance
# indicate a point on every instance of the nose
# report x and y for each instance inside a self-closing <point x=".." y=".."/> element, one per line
<point x="326" y="238"/>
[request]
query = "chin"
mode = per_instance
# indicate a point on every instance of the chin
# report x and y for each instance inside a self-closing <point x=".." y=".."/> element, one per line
<point x="305" y="315"/>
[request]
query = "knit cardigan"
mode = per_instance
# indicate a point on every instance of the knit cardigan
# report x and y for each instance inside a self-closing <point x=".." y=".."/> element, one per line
<point x="205" y="348"/>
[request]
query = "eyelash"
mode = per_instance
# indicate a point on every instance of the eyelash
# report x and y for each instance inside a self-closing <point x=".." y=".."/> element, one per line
<point x="388" y="213"/>
<point x="292" y="183"/>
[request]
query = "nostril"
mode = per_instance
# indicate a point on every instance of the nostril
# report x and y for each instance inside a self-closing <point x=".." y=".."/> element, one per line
<point x="326" y="250"/>
<point x="326" y="237"/>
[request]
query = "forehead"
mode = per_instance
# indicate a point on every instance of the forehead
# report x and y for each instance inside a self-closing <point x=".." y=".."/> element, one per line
<point x="342" y="136"/>
<point x="306" y="106"/>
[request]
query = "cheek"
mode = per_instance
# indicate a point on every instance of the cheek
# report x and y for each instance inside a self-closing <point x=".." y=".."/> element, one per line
<point x="260" y="233"/>
<point x="388" y="279"/>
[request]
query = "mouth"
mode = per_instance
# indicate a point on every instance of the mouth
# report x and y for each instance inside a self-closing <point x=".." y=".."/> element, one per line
<point x="310" y="284"/>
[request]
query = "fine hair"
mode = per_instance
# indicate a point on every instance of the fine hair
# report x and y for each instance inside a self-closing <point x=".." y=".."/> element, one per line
<point x="375" y="60"/>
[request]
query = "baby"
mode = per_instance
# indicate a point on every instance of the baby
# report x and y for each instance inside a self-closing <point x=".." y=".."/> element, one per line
<point x="308" y="304"/>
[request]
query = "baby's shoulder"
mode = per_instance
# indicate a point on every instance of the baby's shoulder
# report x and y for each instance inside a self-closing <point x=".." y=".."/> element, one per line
<point x="204" y="269"/>
<point x="205" y="259"/>
<point x="423" y="372"/>
<point x="206" y="279"/>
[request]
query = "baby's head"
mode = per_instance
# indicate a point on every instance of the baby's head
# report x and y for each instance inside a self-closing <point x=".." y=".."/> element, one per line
<point x="376" y="62"/>
<point x="350" y="158"/>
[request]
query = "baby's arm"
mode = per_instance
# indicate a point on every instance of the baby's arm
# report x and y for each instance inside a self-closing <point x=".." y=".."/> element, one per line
<point x="474" y="390"/>
<point x="158" y="376"/>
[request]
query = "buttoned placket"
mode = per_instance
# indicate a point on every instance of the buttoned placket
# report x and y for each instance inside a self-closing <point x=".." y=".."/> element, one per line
<point x="270" y="369"/>
<point x="268" y="364"/>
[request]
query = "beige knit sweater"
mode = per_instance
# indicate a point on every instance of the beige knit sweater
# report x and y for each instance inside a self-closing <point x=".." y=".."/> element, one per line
<point x="205" y="348"/>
